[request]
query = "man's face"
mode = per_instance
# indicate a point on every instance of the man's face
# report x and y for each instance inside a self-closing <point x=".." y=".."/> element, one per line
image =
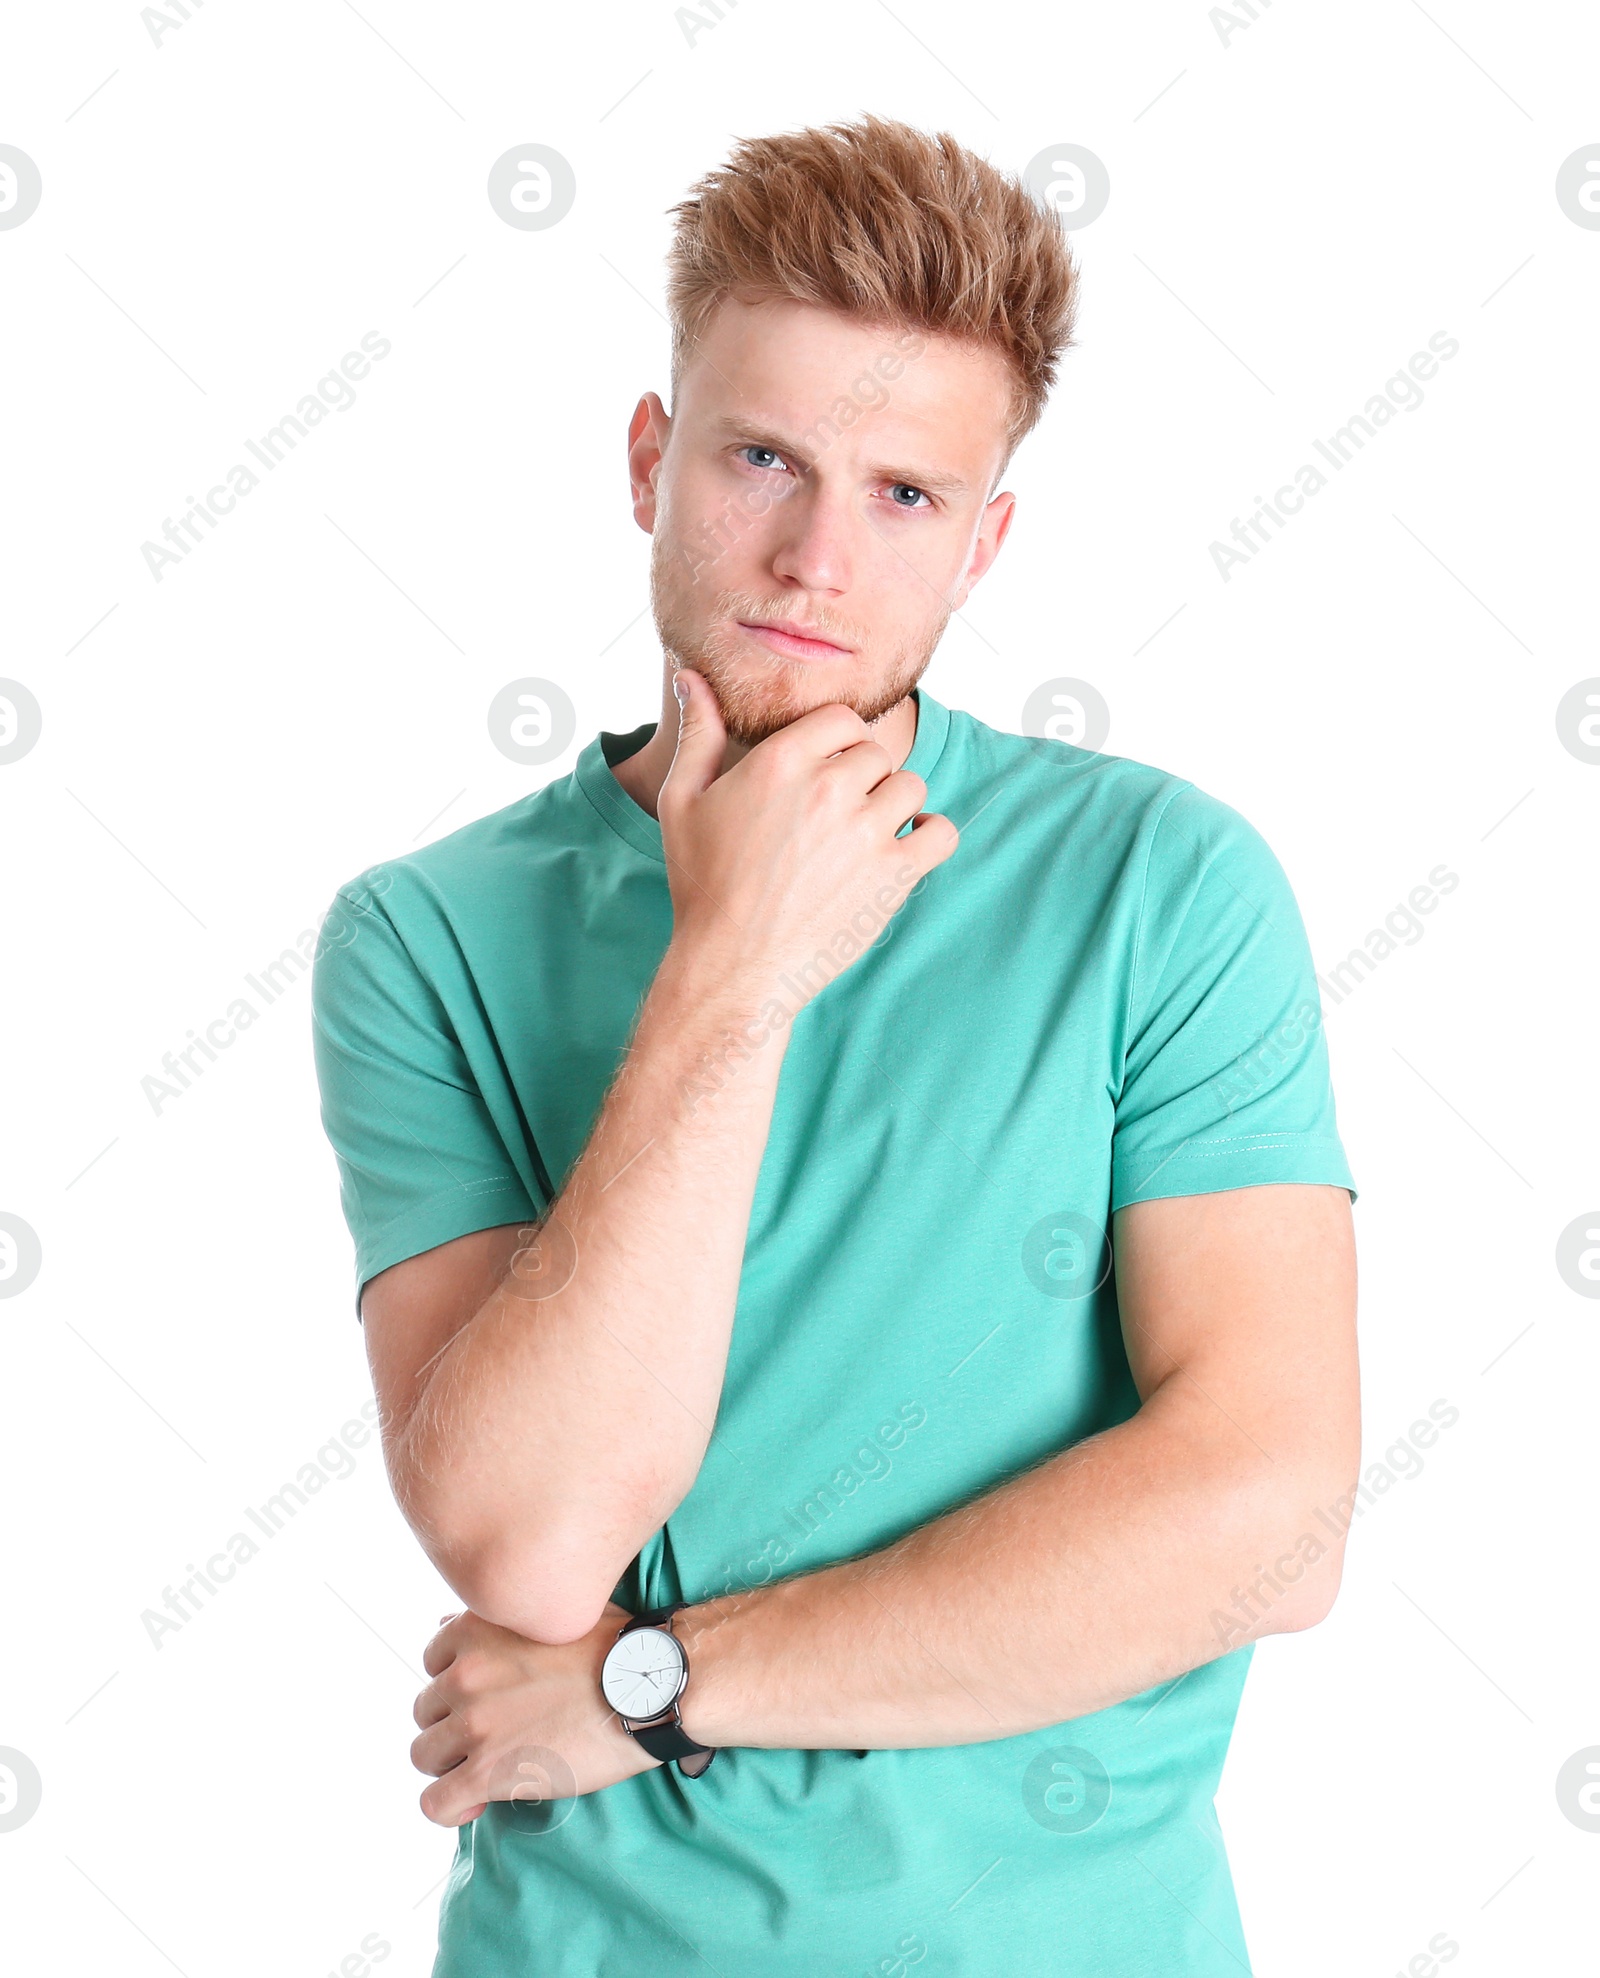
<point x="826" y="477"/>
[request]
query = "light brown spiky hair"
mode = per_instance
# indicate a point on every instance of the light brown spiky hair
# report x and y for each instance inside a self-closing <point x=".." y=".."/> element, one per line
<point x="890" y="226"/>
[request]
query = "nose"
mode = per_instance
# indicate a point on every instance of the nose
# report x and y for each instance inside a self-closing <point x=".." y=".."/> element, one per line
<point x="814" y="543"/>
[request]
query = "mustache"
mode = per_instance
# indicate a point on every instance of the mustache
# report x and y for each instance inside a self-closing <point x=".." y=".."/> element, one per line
<point x="822" y="622"/>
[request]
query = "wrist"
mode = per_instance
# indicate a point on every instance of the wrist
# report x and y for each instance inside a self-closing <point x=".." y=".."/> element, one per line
<point x="718" y="1012"/>
<point x="717" y="1636"/>
<point x="611" y="1727"/>
<point x="700" y="972"/>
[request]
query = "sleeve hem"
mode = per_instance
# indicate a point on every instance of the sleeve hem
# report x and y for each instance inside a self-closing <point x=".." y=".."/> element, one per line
<point x="453" y="1212"/>
<point x="1207" y="1167"/>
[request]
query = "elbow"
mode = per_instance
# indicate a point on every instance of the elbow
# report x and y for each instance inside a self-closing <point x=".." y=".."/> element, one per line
<point x="1313" y="1602"/>
<point x="549" y="1584"/>
<point x="541" y="1597"/>
<point x="1297" y="1574"/>
<point x="548" y="1576"/>
<point x="1310" y="1598"/>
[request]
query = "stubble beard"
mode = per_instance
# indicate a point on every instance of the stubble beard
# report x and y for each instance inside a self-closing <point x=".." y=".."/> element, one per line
<point x="756" y="703"/>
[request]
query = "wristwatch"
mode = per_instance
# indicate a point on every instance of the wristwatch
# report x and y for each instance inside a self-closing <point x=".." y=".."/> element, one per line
<point x="642" y="1679"/>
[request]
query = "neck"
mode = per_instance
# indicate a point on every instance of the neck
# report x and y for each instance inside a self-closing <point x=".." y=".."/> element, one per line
<point x="644" y="772"/>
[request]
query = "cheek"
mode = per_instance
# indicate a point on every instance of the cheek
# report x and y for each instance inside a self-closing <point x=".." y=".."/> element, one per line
<point x="731" y="517"/>
<point x="913" y="549"/>
<point x="680" y="501"/>
<point x="911" y="567"/>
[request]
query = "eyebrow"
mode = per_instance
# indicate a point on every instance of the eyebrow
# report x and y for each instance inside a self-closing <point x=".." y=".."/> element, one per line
<point x="729" y="427"/>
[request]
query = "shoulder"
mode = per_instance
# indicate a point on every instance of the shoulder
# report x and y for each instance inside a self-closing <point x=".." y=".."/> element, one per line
<point x="400" y="929"/>
<point x="1144" y="842"/>
<point x="470" y="864"/>
<point x="1110" y="800"/>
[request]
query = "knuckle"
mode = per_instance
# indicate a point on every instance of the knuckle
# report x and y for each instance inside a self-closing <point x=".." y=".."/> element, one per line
<point x="778" y="756"/>
<point x="823" y="795"/>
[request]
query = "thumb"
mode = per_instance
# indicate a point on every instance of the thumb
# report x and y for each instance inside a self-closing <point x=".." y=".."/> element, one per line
<point x="702" y="738"/>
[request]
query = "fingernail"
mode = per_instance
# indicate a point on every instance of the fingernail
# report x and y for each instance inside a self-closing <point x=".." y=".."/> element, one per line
<point x="680" y="690"/>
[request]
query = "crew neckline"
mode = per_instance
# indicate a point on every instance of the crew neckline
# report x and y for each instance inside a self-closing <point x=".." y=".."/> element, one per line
<point x="632" y="823"/>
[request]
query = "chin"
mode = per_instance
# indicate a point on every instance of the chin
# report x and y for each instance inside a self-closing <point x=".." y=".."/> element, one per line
<point x="756" y="703"/>
<point x="760" y="692"/>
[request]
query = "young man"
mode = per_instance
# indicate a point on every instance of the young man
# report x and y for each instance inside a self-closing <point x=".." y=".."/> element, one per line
<point x="862" y="1175"/>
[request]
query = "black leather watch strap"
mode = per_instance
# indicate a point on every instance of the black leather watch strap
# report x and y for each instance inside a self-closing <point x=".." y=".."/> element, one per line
<point x="666" y="1740"/>
<point x="656" y="1617"/>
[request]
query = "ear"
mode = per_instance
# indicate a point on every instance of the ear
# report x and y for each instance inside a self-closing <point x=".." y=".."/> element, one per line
<point x="647" y="440"/>
<point x="992" y="531"/>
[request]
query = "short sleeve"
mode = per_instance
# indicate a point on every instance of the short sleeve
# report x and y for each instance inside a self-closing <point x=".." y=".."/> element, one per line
<point x="420" y="1158"/>
<point x="1225" y="1068"/>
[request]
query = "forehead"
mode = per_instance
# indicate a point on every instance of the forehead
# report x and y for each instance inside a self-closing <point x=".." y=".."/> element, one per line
<point x="784" y="365"/>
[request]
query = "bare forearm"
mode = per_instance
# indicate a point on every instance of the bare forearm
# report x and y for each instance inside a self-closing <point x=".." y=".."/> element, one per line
<point x="567" y="1419"/>
<point x="1091" y="1579"/>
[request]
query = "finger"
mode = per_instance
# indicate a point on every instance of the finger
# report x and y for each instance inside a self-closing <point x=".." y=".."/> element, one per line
<point x="429" y="1708"/>
<point x="441" y="1748"/>
<point x="863" y="766"/>
<point x="702" y="739"/>
<point x="458" y="1795"/>
<point x="929" y="842"/>
<point x="444" y="1647"/>
<point x="823" y="731"/>
<point x="898" y="796"/>
<point x="442" y="1803"/>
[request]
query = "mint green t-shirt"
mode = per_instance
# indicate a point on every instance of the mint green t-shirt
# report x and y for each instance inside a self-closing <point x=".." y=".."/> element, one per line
<point x="1103" y="997"/>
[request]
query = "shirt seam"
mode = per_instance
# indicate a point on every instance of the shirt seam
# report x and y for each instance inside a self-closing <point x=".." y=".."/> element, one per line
<point x="1226" y="1142"/>
<point x="486" y="1185"/>
<point x="610" y="823"/>
<point x="1139" y="929"/>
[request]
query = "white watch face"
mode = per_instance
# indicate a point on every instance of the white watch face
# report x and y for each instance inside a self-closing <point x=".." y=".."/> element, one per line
<point x="643" y="1673"/>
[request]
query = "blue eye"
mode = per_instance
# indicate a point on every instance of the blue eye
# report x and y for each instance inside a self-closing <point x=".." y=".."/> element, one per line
<point x="767" y="450"/>
<point x="906" y="487"/>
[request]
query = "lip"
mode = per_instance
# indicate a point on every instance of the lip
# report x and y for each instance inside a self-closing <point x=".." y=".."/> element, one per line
<point x="793" y="645"/>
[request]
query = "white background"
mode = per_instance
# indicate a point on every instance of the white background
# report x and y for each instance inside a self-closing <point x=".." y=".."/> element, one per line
<point x="1296" y="207"/>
